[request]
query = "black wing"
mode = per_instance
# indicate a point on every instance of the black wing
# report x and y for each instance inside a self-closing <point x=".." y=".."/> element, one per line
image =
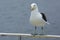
<point x="44" y="17"/>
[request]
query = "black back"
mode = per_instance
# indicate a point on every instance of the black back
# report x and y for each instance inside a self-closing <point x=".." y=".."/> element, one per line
<point x="44" y="17"/>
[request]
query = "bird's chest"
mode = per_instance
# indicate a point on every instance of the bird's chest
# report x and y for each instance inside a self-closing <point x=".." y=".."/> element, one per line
<point x="36" y="19"/>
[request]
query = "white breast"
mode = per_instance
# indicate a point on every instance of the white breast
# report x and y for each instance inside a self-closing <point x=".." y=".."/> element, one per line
<point x="36" y="19"/>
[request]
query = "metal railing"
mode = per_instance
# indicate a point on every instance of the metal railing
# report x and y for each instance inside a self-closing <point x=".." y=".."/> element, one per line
<point x="29" y="35"/>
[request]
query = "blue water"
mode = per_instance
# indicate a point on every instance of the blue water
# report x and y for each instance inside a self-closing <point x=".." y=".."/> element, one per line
<point x="14" y="17"/>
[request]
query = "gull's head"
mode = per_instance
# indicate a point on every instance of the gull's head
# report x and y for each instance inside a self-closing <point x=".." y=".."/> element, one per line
<point x="34" y="6"/>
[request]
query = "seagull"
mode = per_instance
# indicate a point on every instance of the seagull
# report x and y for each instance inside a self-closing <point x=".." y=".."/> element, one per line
<point x="37" y="18"/>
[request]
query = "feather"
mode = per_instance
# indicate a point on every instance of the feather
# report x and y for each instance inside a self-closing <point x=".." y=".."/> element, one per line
<point x="44" y="17"/>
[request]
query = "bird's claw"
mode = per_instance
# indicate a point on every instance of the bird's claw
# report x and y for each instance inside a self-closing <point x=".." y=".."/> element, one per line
<point x="34" y="33"/>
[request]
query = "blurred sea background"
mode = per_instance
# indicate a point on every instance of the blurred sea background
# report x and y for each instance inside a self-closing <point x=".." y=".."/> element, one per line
<point x="14" y="17"/>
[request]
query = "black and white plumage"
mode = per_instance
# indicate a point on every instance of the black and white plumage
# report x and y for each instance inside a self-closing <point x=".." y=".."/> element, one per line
<point x="37" y="18"/>
<point x="44" y="17"/>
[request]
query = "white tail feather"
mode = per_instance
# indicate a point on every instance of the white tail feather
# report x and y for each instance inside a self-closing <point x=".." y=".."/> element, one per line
<point x="47" y="23"/>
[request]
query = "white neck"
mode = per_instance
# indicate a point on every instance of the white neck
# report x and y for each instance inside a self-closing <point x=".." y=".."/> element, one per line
<point x="35" y="11"/>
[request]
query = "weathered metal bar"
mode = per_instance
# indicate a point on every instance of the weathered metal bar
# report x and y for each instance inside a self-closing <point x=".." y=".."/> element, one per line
<point x="29" y="35"/>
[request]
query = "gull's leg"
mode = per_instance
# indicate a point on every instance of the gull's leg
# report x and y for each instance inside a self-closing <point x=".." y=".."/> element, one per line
<point x="35" y="31"/>
<point x="42" y="29"/>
